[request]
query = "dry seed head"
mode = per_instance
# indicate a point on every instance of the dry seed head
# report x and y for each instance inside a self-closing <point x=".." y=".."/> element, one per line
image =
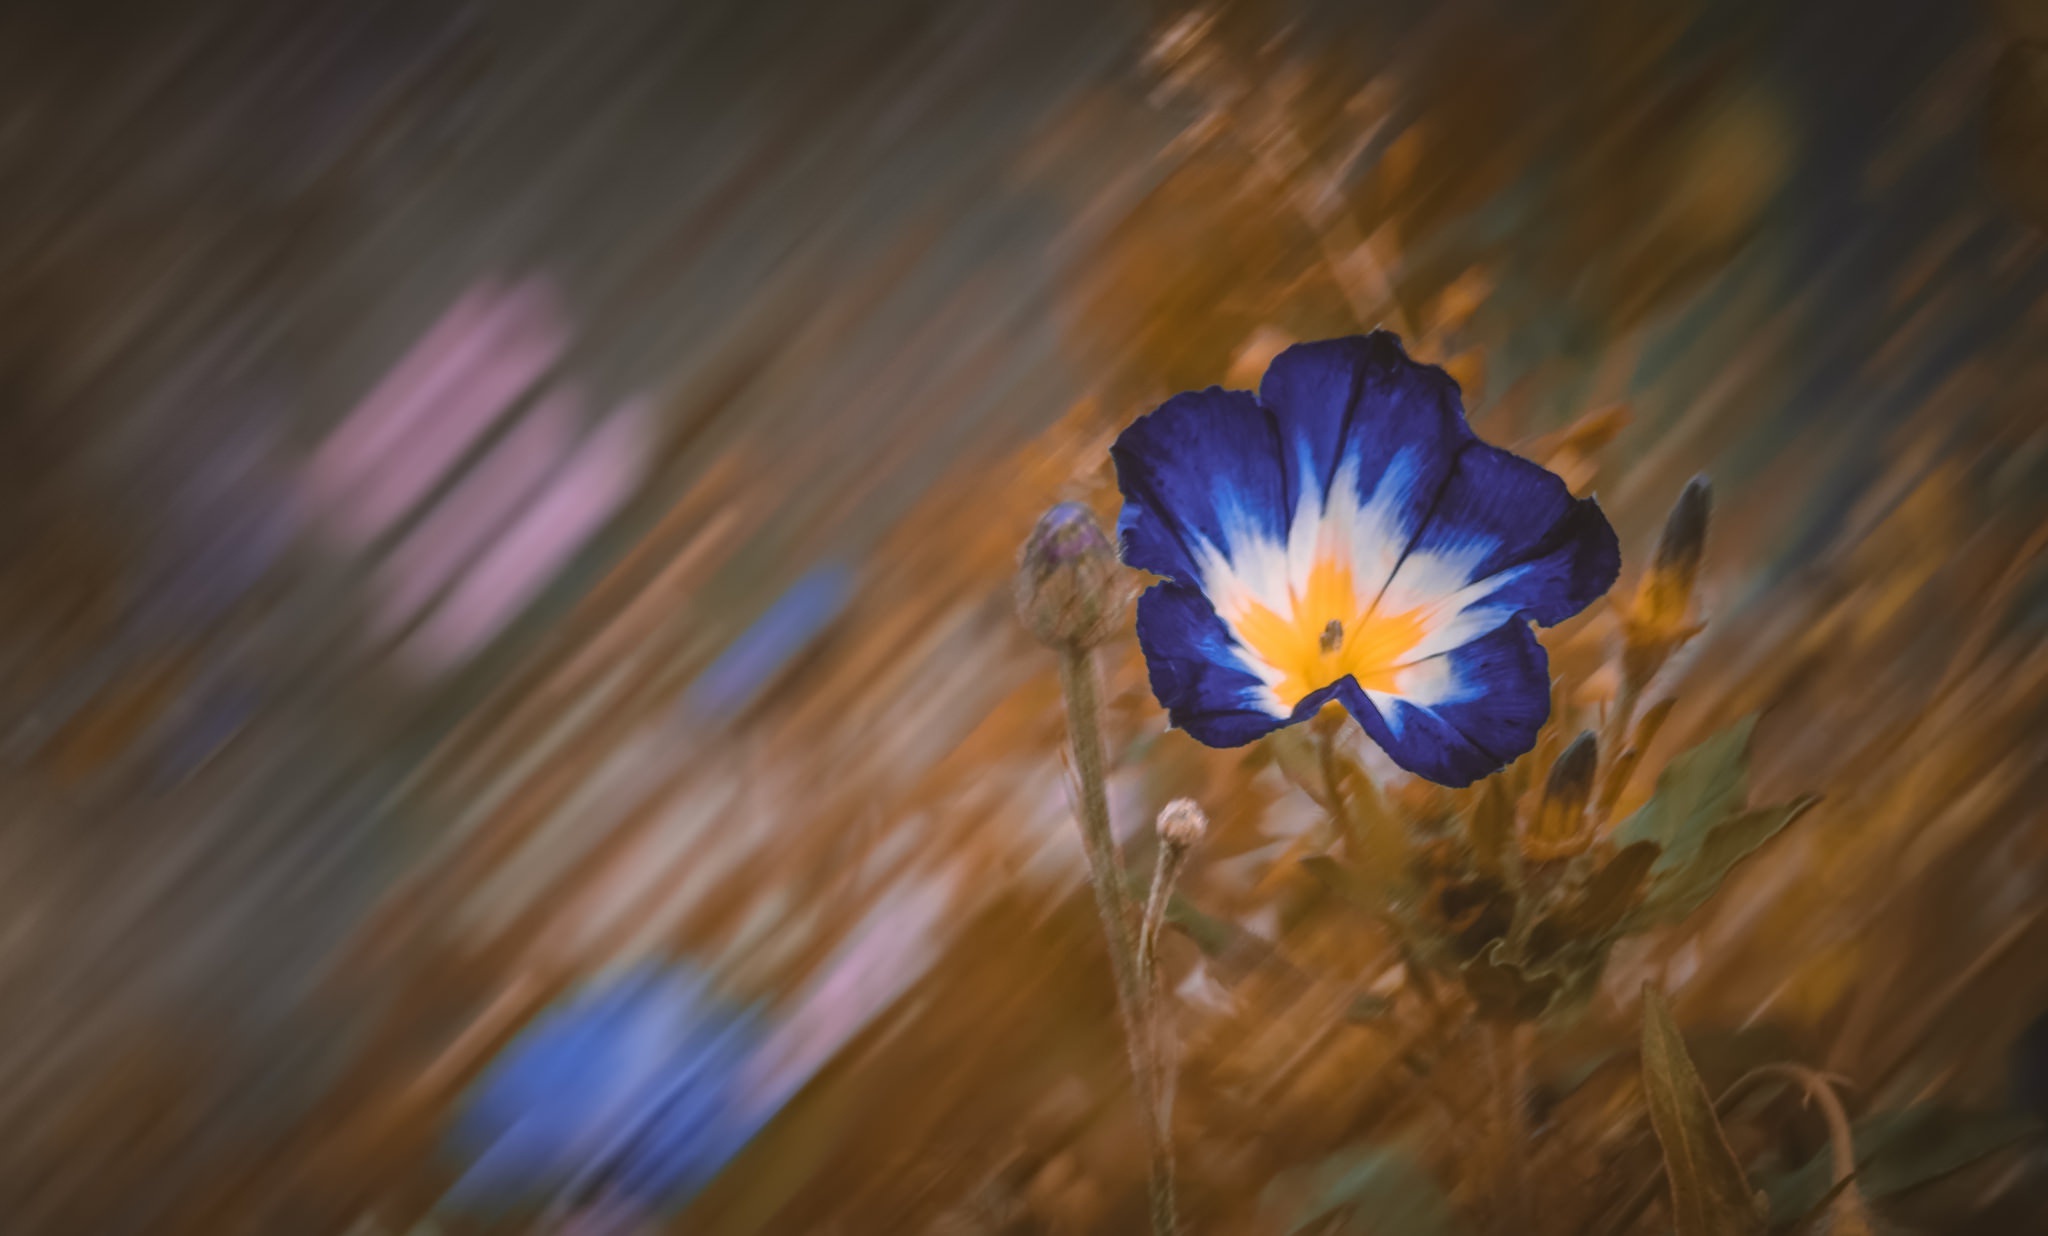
<point x="1182" y="824"/>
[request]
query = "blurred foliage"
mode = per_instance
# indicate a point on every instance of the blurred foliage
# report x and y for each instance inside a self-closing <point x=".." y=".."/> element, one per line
<point x="895" y="274"/>
<point x="1370" y="1190"/>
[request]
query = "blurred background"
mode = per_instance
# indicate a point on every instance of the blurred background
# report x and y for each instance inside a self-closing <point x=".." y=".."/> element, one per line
<point x="491" y="492"/>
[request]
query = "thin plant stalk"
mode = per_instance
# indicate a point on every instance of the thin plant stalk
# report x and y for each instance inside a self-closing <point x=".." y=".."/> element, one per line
<point x="1083" y="692"/>
<point x="1179" y="828"/>
<point x="1504" y="1044"/>
<point x="1615" y="741"/>
<point x="1164" y="876"/>
<point x="1326" y="759"/>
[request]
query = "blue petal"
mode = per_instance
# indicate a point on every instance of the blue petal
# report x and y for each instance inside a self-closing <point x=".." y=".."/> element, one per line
<point x="695" y="1124"/>
<point x="1359" y="406"/>
<point x="636" y="1079"/>
<point x="1203" y="470"/>
<point x="1196" y="670"/>
<point x="1498" y="701"/>
<point x="558" y="1082"/>
<point x="1514" y="522"/>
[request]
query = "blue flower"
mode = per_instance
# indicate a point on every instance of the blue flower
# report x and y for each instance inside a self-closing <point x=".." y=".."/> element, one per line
<point x="1343" y="535"/>
<point x="630" y="1093"/>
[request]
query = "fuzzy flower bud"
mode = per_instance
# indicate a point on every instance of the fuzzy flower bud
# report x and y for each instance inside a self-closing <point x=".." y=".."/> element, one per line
<point x="1071" y="590"/>
<point x="1182" y="824"/>
<point x="1560" y="830"/>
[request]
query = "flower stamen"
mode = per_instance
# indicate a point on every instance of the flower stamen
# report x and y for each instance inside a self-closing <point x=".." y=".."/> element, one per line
<point x="1307" y="648"/>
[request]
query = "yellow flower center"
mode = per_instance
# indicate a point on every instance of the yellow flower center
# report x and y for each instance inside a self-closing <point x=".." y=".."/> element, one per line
<point x="1332" y="631"/>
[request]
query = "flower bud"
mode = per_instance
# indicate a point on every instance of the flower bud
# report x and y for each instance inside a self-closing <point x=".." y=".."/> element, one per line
<point x="1560" y="830"/>
<point x="1071" y="590"/>
<point x="1667" y="590"/>
<point x="1182" y="824"/>
<point x="1656" y="620"/>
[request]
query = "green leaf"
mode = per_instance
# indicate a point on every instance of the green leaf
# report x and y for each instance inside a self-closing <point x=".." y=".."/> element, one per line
<point x="1675" y="894"/>
<point x="1696" y="791"/>
<point x="1374" y="1189"/>
<point x="1504" y="990"/>
<point x="1592" y="914"/>
<point x="1901" y="1150"/>
<point x="1700" y="818"/>
<point x="1300" y="759"/>
<point x="1710" y="1196"/>
<point x="1211" y="934"/>
<point x="1369" y="1008"/>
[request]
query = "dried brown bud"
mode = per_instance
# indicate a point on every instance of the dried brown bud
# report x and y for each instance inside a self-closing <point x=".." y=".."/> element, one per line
<point x="1071" y="590"/>
<point x="1182" y="824"/>
<point x="1560" y="829"/>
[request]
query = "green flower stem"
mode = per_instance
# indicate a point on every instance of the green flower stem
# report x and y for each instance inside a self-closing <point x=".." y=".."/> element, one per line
<point x="1105" y="871"/>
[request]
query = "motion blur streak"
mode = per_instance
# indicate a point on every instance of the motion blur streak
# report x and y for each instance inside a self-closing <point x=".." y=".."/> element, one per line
<point x="495" y="494"/>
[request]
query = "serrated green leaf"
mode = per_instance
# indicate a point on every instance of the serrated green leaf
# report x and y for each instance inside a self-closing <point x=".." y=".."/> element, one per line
<point x="1901" y="1150"/>
<point x="1375" y="1189"/>
<point x="1710" y="1195"/>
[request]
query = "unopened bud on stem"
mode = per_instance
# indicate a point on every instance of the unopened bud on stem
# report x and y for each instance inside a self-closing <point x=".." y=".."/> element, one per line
<point x="1182" y="824"/>
<point x="1560" y="829"/>
<point x="1667" y="591"/>
<point x="1656" y="622"/>
<point x="1071" y="590"/>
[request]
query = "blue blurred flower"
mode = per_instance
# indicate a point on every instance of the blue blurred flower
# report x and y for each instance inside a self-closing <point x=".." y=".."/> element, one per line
<point x="1343" y="535"/>
<point x="630" y="1093"/>
<point x="768" y="647"/>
